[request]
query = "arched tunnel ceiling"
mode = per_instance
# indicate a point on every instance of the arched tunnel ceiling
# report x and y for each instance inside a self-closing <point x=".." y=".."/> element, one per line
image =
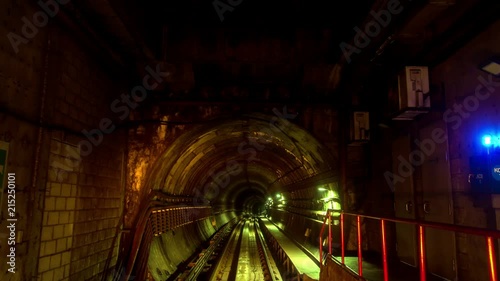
<point x="254" y="155"/>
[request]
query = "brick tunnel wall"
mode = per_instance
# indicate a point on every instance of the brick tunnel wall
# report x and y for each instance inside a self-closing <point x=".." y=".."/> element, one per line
<point x="21" y="85"/>
<point x="92" y="186"/>
<point x="68" y="207"/>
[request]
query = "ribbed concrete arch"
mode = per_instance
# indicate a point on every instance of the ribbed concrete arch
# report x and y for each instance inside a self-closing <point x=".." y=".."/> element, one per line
<point x="218" y="161"/>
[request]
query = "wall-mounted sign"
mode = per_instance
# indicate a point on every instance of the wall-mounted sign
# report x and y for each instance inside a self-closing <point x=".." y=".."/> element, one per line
<point x="4" y="152"/>
<point x="360" y="126"/>
<point x="496" y="172"/>
<point x="410" y="93"/>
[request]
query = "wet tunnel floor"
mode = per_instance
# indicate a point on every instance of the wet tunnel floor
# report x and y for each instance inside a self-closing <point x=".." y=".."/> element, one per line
<point x="243" y="257"/>
<point x="249" y="266"/>
<point x="247" y="254"/>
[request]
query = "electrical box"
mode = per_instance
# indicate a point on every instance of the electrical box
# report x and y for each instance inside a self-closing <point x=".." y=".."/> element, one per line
<point x="360" y="126"/>
<point x="484" y="176"/>
<point x="412" y="94"/>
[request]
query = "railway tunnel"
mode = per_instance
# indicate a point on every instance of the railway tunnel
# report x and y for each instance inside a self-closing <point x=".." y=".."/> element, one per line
<point x="249" y="140"/>
<point x="231" y="165"/>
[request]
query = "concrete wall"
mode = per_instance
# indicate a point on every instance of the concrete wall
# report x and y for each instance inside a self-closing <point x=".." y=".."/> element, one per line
<point x="454" y="82"/>
<point x="459" y="77"/>
<point x="171" y="249"/>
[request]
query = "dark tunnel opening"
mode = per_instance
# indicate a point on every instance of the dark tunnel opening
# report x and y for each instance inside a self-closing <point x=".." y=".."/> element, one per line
<point x="235" y="166"/>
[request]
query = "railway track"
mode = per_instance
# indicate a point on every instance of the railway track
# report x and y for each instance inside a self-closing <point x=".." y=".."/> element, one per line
<point x="229" y="255"/>
<point x="246" y="256"/>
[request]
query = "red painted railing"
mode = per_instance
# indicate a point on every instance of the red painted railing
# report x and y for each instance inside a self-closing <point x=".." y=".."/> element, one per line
<point x="489" y="235"/>
<point x="329" y="218"/>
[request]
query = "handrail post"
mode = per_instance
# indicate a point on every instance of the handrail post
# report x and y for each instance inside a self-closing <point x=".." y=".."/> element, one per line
<point x="321" y="240"/>
<point x="320" y="251"/>
<point x="342" y="246"/>
<point x="329" y="232"/>
<point x="384" y="251"/>
<point x="360" y="254"/>
<point x="489" y="235"/>
<point x="491" y="259"/>
<point x="421" y="243"/>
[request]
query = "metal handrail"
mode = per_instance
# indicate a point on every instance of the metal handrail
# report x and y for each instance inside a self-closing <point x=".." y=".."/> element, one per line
<point x="139" y="233"/>
<point x="328" y="217"/>
<point x="489" y="235"/>
<point x="154" y="199"/>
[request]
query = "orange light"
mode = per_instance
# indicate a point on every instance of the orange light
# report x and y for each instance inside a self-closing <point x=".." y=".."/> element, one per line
<point x="492" y="261"/>
<point x="360" y="252"/>
<point x="422" y="253"/>
<point x="384" y="251"/>
<point x="342" y="237"/>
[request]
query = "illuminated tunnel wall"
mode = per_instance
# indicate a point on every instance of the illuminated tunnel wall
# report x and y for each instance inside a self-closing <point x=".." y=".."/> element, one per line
<point x="227" y="163"/>
<point x="236" y="165"/>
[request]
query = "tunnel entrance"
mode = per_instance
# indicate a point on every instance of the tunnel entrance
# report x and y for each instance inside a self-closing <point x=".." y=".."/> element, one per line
<point x="237" y="163"/>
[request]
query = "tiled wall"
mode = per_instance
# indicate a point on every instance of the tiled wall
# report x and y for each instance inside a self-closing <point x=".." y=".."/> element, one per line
<point x="59" y="214"/>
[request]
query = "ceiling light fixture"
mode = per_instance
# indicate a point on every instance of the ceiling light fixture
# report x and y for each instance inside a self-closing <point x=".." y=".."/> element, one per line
<point x="492" y="67"/>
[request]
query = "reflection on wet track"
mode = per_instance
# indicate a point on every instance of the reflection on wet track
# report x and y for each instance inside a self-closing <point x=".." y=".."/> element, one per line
<point x="249" y="267"/>
<point x="246" y="256"/>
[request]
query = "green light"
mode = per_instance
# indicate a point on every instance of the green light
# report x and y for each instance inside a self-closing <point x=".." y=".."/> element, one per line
<point x="322" y="189"/>
<point x="332" y="194"/>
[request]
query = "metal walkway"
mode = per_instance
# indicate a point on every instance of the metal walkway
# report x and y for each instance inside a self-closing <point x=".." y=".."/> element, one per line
<point x="306" y="268"/>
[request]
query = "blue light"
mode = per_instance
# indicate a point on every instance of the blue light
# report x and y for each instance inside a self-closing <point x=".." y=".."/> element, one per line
<point x="487" y="140"/>
<point x="491" y="141"/>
